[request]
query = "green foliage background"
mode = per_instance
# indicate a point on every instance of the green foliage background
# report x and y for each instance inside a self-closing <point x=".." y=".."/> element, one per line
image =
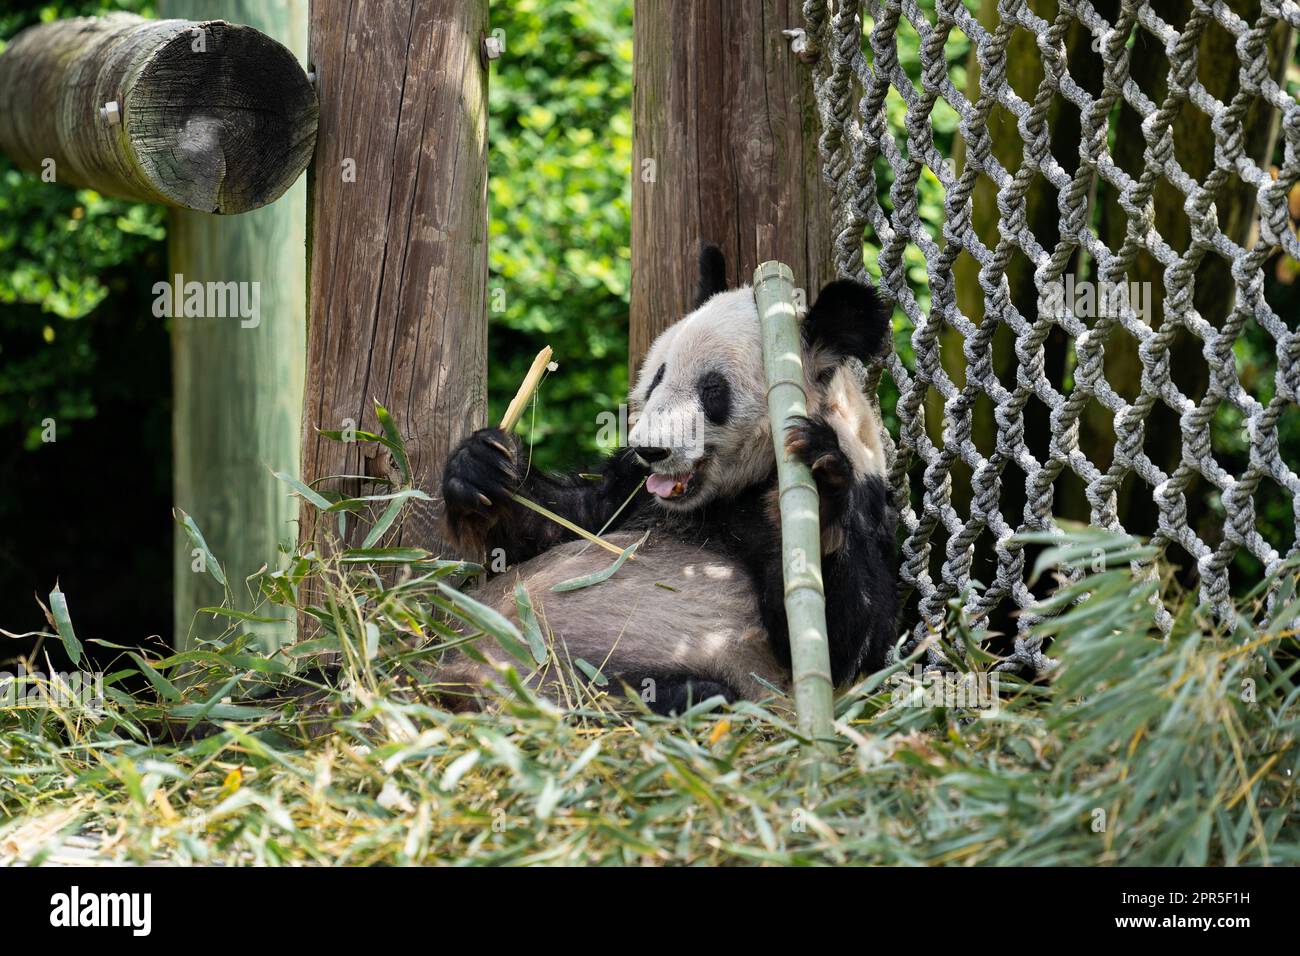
<point x="561" y="143"/>
<point x="62" y="254"/>
<point x="74" y="334"/>
<point x="560" y="137"/>
<point x="79" y="345"/>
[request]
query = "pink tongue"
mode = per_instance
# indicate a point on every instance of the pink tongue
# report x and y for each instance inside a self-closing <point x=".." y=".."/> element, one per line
<point x="661" y="485"/>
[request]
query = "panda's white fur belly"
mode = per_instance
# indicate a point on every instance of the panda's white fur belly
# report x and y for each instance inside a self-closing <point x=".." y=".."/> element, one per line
<point x="676" y="609"/>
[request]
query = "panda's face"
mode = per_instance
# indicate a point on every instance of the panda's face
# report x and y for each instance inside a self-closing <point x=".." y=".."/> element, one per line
<point x="699" y="409"/>
<point x="698" y="412"/>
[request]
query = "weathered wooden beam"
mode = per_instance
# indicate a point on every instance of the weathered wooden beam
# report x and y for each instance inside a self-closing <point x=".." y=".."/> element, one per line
<point x="203" y="115"/>
<point x="397" y="248"/>
<point x="724" y="150"/>
<point x="237" y="383"/>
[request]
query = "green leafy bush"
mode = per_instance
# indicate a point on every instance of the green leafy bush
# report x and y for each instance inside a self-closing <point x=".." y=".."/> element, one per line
<point x="560" y="139"/>
<point x="64" y="254"/>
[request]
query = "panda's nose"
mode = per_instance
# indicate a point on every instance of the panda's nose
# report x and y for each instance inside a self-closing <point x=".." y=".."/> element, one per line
<point x="650" y="454"/>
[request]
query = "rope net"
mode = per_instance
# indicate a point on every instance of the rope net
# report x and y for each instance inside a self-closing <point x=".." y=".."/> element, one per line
<point x="1096" y="141"/>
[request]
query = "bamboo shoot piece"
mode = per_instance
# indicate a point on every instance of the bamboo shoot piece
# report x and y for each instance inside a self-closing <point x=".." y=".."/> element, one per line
<point x="526" y="389"/>
<point x="511" y="418"/>
<point x="805" y="597"/>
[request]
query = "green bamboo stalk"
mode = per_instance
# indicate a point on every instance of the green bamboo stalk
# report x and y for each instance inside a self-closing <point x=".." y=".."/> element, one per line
<point x="805" y="596"/>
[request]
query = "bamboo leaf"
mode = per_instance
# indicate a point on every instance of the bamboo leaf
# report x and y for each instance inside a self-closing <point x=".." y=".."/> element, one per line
<point x="210" y="563"/>
<point x="383" y="524"/>
<point x="241" y="615"/>
<point x="528" y="622"/>
<point x="383" y="555"/>
<point x="564" y="522"/>
<point x="213" y="701"/>
<point x="356" y="504"/>
<point x="319" y="500"/>
<point x="548" y="798"/>
<point x="220" y="711"/>
<point x="162" y="685"/>
<point x="457" y="769"/>
<point x="586" y="581"/>
<point x="319" y="645"/>
<point x="593" y="674"/>
<point x="63" y="624"/>
<point x="362" y="437"/>
<point x="487" y="619"/>
<point x="395" y="443"/>
<point x="449" y="568"/>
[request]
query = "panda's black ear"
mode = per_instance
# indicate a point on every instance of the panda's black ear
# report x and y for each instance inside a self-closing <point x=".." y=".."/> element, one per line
<point x="848" y="318"/>
<point x="713" y="273"/>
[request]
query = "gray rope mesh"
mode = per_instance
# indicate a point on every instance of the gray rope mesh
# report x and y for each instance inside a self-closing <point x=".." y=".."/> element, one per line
<point x="855" y="135"/>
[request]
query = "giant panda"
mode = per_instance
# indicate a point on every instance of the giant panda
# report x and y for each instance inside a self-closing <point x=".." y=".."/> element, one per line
<point x="700" y="611"/>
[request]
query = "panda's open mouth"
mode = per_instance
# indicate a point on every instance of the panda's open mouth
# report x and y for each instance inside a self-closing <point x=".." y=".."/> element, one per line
<point x="668" y="486"/>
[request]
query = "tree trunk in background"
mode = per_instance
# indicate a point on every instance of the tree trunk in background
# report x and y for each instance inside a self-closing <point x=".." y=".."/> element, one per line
<point x="1024" y="73"/>
<point x="397" y="246"/>
<point x="238" y="390"/>
<point x="1194" y="144"/>
<point x="1219" y="70"/>
<point x="724" y="151"/>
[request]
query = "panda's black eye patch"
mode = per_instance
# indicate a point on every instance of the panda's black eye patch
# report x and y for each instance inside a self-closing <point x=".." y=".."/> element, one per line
<point x="715" y="396"/>
<point x="654" y="382"/>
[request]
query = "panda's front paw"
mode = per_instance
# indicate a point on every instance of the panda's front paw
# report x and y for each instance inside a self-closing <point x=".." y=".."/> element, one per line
<point x="476" y="484"/>
<point x="814" y="442"/>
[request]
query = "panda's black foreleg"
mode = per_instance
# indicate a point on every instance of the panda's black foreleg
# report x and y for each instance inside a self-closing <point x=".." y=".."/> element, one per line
<point x="814" y="442"/>
<point x="678" y="695"/>
<point x="858" y="563"/>
<point x="489" y="465"/>
<point x="861" y="579"/>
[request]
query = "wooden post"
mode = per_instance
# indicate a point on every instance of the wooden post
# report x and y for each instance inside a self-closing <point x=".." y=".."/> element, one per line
<point x="198" y="114"/>
<point x="397" y="246"/>
<point x="724" y="151"/>
<point x="238" y="382"/>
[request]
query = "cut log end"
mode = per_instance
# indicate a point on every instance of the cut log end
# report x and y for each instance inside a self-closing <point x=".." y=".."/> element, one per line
<point x="206" y="115"/>
<point x="224" y="122"/>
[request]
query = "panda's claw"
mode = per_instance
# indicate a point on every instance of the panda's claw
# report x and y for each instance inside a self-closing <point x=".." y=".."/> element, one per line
<point x="830" y="465"/>
<point x="461" y="496"/>
<point x="476" y="484"/>
<point x="815" y="443"/>
<point x="492" y="456"/>
<point x="490" y="452"/>
<point x="510" y="455"/>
